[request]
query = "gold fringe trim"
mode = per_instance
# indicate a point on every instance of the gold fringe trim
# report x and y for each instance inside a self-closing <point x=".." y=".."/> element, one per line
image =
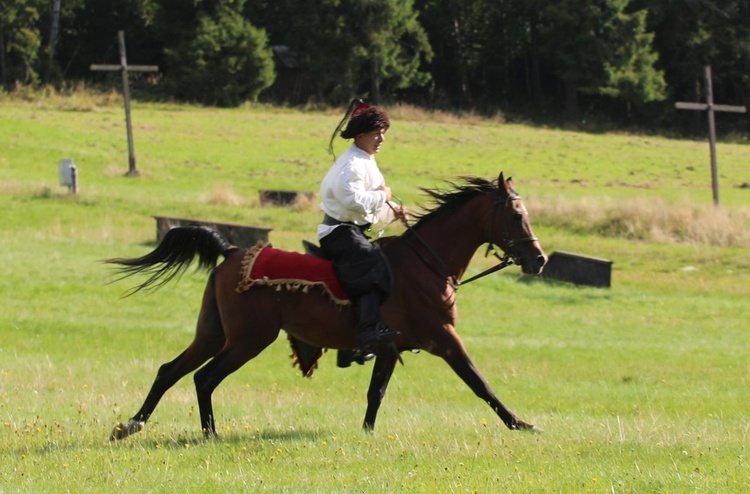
<point x="291" y="285"/>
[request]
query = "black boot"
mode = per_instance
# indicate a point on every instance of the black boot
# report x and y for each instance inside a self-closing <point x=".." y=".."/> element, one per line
<point x="372" y="335"/>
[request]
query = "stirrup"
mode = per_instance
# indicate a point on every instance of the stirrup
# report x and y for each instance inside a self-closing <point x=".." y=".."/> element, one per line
<point x="382" y="340"/>
<point x="361" y="356"/>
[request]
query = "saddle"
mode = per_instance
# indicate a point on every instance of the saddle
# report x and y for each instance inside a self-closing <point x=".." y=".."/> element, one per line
<point x="264" y="265"/>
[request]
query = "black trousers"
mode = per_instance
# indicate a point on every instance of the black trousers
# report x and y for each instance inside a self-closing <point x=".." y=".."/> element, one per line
<point x="359" y="264"/>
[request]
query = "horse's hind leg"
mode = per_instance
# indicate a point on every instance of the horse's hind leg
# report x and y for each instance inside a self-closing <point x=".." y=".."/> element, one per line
<point x="381" y="375"/>
<point x="166" y="377"/>
<point x="233" y="356"/>
<point x="209" y="339"/>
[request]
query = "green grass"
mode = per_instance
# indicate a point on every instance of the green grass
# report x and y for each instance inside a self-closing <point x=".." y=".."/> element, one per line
<point x="642" y="387"/>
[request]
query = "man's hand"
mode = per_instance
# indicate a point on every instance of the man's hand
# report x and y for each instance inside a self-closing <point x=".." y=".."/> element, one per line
<point x="401" y="213"/>
<point x="387" y="191"/>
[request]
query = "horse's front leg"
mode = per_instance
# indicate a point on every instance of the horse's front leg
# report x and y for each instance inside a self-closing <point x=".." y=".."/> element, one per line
<point x="464" y="367"/>
<point x="381" y="375"/>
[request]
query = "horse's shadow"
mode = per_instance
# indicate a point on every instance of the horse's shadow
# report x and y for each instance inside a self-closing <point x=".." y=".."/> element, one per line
<point x="181" y="441"/>
<point x="239" y="437"/>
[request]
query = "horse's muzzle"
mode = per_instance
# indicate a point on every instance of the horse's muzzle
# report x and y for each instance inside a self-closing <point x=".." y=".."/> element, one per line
<point x="533" y="264"/>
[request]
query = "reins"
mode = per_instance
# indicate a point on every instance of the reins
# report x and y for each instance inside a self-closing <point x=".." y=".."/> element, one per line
<point x="505" y="261"/>
<point x="452" y="278"/>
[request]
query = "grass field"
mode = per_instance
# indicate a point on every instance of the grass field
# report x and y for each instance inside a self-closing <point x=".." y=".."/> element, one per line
<point x="642" y="387"/>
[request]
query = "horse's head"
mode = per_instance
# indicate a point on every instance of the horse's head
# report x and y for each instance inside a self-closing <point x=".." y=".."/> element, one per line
<point x="511" y="229"/>
<point x="470" y="215"/>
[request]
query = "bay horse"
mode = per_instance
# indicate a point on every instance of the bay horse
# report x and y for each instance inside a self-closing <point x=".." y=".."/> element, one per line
<point x="428" y="261"/>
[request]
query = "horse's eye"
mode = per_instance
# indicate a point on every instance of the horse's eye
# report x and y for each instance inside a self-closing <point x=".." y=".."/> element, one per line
<point x="518" y="217"/>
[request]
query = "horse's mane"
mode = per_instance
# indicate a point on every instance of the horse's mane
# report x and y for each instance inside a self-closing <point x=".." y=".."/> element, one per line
<point x="453" y="198"/>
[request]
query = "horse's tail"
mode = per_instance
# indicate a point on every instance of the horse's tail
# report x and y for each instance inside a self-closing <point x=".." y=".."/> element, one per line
<point x="173" y="255"/>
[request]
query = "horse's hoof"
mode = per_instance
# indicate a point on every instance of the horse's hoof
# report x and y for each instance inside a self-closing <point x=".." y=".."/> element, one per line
<point x="121" y="431"/>
<point x="535" y="430"/>
<point x="210" y="434"/>
<point x="523" y="426"/>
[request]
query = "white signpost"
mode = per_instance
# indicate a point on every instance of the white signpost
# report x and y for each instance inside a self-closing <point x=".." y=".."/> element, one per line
<point x="68" y="174"/>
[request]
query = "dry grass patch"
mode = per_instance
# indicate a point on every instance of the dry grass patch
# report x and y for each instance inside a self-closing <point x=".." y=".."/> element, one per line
<point x="412" y="113"/>
<point x="224" y="195"/>
<point x="306" y="202"/>
<point x="76" y="97"/>
<point x="654" y="220"/>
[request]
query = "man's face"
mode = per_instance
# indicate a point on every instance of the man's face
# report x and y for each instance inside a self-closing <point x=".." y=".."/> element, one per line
<point x="370" y="142"/>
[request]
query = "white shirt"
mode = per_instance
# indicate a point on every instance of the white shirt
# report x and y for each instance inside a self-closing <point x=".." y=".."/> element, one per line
<point x="348" y="191"/>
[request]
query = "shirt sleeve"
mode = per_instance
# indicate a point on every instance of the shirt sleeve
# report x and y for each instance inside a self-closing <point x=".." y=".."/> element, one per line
<point x="354" y="194"/>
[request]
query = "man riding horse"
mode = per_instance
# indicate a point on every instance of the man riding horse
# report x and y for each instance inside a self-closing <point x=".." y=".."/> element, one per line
<point x="354" y="197"/>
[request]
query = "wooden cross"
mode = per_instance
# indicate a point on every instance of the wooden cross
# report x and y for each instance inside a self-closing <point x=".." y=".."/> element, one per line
<point x="709" y="107"/>
<point x="125" y="68"/>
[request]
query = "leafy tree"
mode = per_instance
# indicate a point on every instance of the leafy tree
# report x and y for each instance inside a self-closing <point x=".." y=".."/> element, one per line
<point x="88" y="35"/>
<point x="391" y="44"/>
<point x="597" y="47"/>
<point x="348" y="47"/>
<point x="690" y="34"/>
<point x="453" y="25"/>
<point x="315" y="31"/>
<point x="630" y="72"/>
<point x="20" y="41"/>
<point x="514" y="55"/>
<point x="488" y="53"/>
<point x="216" y="56"/>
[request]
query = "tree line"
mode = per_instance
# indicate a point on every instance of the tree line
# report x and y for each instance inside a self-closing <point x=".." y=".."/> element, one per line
<point x="624" y="60"/>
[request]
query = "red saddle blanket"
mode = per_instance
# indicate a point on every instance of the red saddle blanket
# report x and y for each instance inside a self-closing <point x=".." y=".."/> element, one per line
<point x="265" y="265"/>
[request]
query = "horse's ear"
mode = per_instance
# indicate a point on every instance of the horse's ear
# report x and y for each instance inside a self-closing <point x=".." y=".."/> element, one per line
<point x="502" y="183"/>
<point x="505" y="185"/>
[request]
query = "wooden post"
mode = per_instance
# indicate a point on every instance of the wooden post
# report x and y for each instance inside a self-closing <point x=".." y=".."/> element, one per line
<point x="125" y="68"/>
<point x="709" y="107"/>
<point x="53" y="33"/>
<point x="2" y="63"/>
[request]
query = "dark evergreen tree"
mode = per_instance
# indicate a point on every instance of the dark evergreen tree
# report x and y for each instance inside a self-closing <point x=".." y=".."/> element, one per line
<point x="348" y="47"/>
<point x="690" y="34"/>
<point x="20" y="41"/>
<point x="630" y="72"/>
<point x="528" y="57"/>
<point x="597" y="47"/>
<point x="212" y="53"/>
<point x="88" y="35"/>
<point x="391" y="45"/>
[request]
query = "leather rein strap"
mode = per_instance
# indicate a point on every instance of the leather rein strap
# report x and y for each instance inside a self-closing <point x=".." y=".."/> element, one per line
<point x="454" y="281"/>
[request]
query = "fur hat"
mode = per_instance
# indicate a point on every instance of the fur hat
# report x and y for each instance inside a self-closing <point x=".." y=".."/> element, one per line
<point x="358" y="119"/>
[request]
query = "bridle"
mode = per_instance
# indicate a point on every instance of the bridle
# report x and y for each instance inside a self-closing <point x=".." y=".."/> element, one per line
<point x="508" y="258"/>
